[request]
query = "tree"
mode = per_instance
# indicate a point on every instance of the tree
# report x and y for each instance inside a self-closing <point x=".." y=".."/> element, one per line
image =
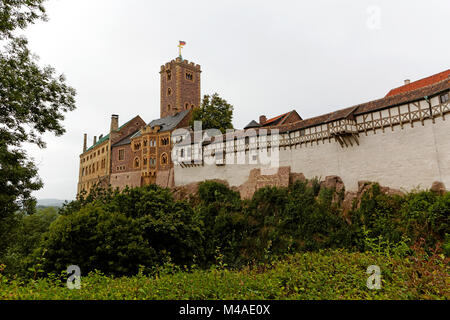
<point x="33" y="100"/>
<point x="215" y="113"/>
<point x="117" y="232"/>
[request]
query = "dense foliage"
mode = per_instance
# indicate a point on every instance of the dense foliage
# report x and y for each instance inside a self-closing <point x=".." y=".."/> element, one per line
<point x="145" y="228"/>
<point x="214" y="113"/>
<point x="33" y="101"/>
<point x="330" y="274"/>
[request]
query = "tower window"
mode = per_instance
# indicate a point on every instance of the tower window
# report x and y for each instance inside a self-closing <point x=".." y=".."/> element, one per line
<point x="189" y="76"/>
<point x="187" y="106"/>
<point x="169" y="75"/>
<point x="136" y="163"/>
<point x="164" y="159"/>
<point x="169" y="91"/>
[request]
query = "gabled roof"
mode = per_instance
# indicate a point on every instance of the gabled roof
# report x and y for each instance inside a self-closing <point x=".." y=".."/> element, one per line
<point x="375" y="105"/>
<point x="420" y="83"/>
<point x="166" y="124"/>
<point x="278" y="119"/>
<point x="99" y="142"/>
<point x="126" y="140"/>
<point x="252" y="124"/>
<point x="106" y="138"/>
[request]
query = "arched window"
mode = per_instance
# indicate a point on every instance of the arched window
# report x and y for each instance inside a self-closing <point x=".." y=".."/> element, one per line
<point x="136" y="162"/>
<point x="164" y="159"/>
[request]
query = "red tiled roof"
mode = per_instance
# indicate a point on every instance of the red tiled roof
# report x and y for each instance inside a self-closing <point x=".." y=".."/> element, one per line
<point x="274" y="119"/>
<point x="409" y="96"/>
<point x="420" y="83"/>
<point x="370" y="106"/>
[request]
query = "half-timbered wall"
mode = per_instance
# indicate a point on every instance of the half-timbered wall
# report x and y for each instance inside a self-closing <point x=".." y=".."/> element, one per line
<point x="403" y="147"/>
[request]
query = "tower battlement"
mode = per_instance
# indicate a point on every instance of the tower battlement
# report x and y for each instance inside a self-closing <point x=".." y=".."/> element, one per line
<point x="181" y="62"/>
<point x="180" y="86"/>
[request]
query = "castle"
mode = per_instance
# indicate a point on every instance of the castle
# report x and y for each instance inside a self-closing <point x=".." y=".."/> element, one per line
<point x="136" y="153"/>
<point x="401" y="141"/>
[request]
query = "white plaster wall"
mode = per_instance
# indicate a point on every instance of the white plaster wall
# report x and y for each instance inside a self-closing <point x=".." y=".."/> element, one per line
<point x="405" y="159"/>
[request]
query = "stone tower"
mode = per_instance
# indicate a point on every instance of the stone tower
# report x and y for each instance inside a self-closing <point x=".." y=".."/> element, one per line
<point x="180" y="86"/>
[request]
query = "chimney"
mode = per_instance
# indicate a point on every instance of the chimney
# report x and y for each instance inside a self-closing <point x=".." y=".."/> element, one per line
<point x="95" y="140"/>
<point x="407" y="81"/>
<point x="114" y="122"/>
<point x="85" y="143"/>
<point x="262" y="119"/>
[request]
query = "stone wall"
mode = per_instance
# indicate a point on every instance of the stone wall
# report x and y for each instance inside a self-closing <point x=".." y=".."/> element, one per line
<point x="401" y="158"/>
<point x="121" y="180"/>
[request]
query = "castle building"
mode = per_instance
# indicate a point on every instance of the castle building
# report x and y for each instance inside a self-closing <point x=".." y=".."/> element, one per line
<point x="136" y="153"/>
<point x="400" y="141"/>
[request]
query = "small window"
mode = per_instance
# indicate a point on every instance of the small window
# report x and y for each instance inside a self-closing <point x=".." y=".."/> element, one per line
<point x="145" y="161"/>
<point x="164" y="141"/>
<point x="189" y="76"/>
<point x="121" y="154"/>
<point x="444" y="98"/>
<point x="169" y="91"/>
<point x="164" y="159"/>
<point x="169" y="75"/>
<point x="137" y="163"/>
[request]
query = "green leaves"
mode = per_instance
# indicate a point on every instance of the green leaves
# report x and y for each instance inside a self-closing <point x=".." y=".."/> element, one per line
<point x="118" y="232"/>
<point x="215" y="113"/>
<point x="33" y="100"/>
<point x="326" y="275"/>
<point x="17" y="14"/>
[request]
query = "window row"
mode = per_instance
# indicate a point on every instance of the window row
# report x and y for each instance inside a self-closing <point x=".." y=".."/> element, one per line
<point x="164" y="160"/>
<point x="93" y="155"/>
<point x="93" y="168"/>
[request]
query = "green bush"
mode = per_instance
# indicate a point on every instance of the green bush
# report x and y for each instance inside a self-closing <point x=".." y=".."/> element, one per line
<point x="120" y="232"/>
<point x="219" y="212"/>
<point x="326" y="275"/>
<point x="117" y="232"/>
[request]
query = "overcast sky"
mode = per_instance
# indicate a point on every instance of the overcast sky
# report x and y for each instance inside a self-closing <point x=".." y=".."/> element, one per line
<point x="264" y="57"/>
